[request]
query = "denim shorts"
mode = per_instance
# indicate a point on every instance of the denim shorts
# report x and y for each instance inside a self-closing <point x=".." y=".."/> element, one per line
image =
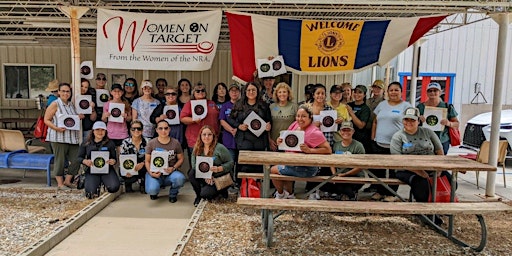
<point x="297" y="171"/>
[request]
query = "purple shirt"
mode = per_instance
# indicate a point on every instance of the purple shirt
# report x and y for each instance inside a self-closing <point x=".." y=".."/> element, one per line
<point x="227" y="138"/>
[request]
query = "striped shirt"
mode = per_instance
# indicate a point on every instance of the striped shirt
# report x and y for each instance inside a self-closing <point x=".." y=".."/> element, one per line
<point x="68" y="136"/>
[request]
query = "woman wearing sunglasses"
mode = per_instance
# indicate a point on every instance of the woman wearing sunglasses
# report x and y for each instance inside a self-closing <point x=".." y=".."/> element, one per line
<point x="171" y="176"/>
<point x="135" y="144"/>
<point x="131" y="90"/>
<point x="193" y="126"/>
<point x="171" y="98"/>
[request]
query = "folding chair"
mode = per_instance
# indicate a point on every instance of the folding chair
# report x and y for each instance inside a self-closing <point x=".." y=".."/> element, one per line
<point x="483" y="157"/>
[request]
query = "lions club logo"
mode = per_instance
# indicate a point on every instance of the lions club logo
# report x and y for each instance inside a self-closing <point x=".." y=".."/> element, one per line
<point x="329" y="42"/>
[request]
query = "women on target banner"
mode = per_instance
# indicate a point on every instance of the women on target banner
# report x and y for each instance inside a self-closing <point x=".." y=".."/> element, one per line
<point x="127" y="40"/>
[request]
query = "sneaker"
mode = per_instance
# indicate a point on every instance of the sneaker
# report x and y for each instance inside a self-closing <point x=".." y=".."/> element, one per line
<point x="289" y="196"/>
<point x="314" y="196"/>
<point x="153" y="197"/>
<point x="197" y="201"/>
<point x="280" y="196"/>
<point x="173" y="199"/>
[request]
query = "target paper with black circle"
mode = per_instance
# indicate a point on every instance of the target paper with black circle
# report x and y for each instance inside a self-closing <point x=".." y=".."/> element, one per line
<point x="159" y="161"/>
<point x="271" y="68"/>
<point x="327" y="121"/>
<point x="256" y="124"/>
<point x="172" y="114"/>
<point x="127" y="164"/>
<point x="116" y="111"/>
<point x="86" y="70"/>
<point x="70" y="122"/>
<point x="102" y="97"/>
<point x="199" y="109"/>
<point x="203" y="165"/>
<point x="99" y="162"/>
<point x="83" y="104"/>
<point x="291" y="140"/>
<point x="433" y="117"/>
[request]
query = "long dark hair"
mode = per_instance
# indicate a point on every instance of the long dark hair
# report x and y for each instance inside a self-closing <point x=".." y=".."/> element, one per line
<point x="135" y="85"/>
<point x="189" y="86"/>
<point x="242" y="105"/>
<point x="90" y="138"/>
<point x="215" y="96"/>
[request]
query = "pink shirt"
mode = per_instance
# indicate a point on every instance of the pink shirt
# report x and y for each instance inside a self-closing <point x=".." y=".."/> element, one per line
<point x="211" y="119"/>
<point x="313" y="137"/>
<point x="116" y="131"/>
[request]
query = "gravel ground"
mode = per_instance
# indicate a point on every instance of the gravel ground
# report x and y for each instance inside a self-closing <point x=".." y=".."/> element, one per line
<point x="29" y="214"/>
<point x="226" y="229"/>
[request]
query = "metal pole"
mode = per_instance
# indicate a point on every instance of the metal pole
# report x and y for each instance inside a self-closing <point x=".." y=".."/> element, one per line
<point x="414" y="72"/>
<point x="499" y="80"/>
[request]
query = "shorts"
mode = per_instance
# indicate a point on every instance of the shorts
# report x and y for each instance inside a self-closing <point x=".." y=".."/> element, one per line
<point x="297" y="171"/>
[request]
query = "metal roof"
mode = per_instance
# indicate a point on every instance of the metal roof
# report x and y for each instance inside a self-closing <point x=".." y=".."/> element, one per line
<point x="42" y="22"/>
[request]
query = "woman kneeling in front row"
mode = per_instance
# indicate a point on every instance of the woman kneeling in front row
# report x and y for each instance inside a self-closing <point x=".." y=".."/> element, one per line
<point x="98" y="141"/>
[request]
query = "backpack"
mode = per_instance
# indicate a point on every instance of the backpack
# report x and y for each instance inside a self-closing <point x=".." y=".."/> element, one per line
<point x="250" y="188"/>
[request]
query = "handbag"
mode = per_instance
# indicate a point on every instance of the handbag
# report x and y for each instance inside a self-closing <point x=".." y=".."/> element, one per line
<point x="454" y="133"/>
<point x="223" y="181"/>
<point x="250" y="188"/>
<point x="443" y="190"/>
<point x="41" y="129"/>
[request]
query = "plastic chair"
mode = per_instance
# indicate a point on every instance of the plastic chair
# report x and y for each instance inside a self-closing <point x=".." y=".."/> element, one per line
<point x="483" y="157"/>
<point x="13" y="140"/>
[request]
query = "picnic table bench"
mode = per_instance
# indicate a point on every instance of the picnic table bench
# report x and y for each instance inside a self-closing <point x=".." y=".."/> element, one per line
<point x="391" y="162"/>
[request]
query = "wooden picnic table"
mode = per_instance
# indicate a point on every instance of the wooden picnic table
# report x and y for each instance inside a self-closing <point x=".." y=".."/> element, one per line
<point x="368" y="161"/>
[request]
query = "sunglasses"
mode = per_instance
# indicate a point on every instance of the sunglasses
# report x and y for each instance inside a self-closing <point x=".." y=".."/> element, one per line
<point x="129" y="84"/>
<point x="163" y="128"/>
<point x="103" y="79"/>
<point x="170" y="93"/>
<point x="200" y="91"/>
<point x="136" y="129"/>
<point x="432" y="90"/>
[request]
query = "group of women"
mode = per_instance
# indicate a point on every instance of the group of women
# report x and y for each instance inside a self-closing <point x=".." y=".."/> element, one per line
<point x="371" y="122"/>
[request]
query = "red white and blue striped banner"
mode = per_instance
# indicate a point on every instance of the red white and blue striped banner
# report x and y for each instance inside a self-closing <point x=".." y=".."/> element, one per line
<point x="149" y="41"/>
<point x="320" y="47"/>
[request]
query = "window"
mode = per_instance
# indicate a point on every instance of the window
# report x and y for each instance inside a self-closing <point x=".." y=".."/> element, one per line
<point x="22" y="81"/>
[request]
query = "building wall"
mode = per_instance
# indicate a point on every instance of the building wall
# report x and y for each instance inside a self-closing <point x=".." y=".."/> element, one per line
<point x="470" y="52"/>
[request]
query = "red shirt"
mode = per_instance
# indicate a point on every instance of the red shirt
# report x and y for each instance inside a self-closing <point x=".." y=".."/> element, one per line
<point x="211" y="119"/>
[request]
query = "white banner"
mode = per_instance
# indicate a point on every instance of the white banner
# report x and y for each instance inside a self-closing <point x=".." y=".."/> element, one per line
<point x="127" y="40"/>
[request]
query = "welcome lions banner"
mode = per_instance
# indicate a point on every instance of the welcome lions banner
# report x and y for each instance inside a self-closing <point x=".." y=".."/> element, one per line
<point x="127" y="40"/>
<point x="315" y="46"/>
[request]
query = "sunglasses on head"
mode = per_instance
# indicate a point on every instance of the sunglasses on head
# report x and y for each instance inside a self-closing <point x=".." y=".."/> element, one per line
<point x="129" y="84"/>
<point x="170" y="93"/>
<point x="103" y="79"/>
<point x="201" y="90"/>
<point x="136" y="129"/>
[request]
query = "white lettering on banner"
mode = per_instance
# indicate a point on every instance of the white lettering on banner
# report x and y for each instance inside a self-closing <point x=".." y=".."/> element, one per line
<point x="157" y="41"/>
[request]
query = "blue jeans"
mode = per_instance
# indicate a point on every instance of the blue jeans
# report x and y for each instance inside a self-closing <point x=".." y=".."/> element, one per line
<point x="176" y="180"/>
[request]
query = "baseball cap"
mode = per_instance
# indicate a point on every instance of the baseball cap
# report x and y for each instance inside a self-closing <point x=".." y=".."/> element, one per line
<point x="146" y="83"/>
<point x="434" y="85"/>
<point x="99" y="125"/>
<point x="335" y="88"/>
<point x="362" y="88"/>
<point x="233" y="86"/>
<point x="412" y="113"/>
<point x="347" y="124"/>
<point x="117" y="86"/>
<point x="378" y="83"/>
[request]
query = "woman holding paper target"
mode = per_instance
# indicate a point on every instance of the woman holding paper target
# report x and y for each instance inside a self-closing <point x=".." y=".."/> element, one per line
<point x="314" y="143"/>
<point x="170" y="115"/>
<point x="91" y="154"/>
<point x="207" y="146"/>
<point x="250" y="109"/>
<point x="164" y="171"/>
<point x="64" y="141"/>
<point x="118" y="130"/>
<point x="134" y="145"/>
<point x="89" y="119"/>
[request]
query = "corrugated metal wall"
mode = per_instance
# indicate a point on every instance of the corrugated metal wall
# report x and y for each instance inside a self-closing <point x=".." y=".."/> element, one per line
<point x="470" y="52"/>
